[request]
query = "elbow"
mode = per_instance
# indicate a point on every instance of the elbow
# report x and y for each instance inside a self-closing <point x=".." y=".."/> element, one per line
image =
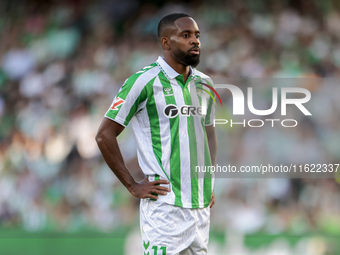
<point x="99" y="138"/>
<point x="107" y="133"/>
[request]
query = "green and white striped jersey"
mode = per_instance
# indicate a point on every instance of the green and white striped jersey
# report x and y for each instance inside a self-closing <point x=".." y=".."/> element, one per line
<point x="168" y="118"/>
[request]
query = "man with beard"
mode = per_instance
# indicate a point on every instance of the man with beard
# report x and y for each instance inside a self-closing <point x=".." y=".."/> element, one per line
<point x="172" y="122"/>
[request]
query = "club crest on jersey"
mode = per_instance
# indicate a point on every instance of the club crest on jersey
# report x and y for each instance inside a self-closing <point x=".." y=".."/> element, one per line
<point x="199" y="91"/>
<point x="168" y="91"/>
<point x="117" y="102"/>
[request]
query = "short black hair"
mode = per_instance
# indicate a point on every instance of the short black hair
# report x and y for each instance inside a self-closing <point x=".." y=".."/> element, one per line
<point x="169" y="20"/>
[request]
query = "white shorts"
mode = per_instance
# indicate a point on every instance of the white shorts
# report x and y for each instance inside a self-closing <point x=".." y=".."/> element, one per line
<point x="171" y="230"/>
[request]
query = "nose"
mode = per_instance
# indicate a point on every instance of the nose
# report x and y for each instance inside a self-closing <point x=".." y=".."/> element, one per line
<point x="195" y="40"/>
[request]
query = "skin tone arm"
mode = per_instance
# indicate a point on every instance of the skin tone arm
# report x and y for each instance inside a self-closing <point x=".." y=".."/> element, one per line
<point x="107" y="142"/>
<point x="212" y="142"/>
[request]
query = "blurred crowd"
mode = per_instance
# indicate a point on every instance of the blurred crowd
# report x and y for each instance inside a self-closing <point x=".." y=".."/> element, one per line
<point x="61" y="64"/>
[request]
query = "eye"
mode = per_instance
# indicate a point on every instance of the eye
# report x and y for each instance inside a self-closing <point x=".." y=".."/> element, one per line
<point x="198" y="36"/>
<point x="185" y="35"/>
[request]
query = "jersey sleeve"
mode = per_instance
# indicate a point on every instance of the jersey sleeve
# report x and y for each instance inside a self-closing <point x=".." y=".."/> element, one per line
<point x="128" y="100"/>
<point x="209" y="118"/>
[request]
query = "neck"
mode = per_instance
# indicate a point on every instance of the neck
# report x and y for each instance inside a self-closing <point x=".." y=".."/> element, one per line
<point x="179" y="68"/>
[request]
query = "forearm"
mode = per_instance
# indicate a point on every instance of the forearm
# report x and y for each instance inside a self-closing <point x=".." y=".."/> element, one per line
<point x="107" y="142"/>
<point x="108" y="145"/>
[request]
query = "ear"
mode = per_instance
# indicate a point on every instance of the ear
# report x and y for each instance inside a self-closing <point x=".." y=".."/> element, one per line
<point x="165" y="41"/>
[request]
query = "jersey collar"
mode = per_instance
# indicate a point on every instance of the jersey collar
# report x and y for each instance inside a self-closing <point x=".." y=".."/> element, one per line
<point x="168" y="71"/>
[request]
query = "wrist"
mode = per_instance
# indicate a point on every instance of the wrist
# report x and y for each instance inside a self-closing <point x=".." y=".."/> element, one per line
<point x="130" y="184"/>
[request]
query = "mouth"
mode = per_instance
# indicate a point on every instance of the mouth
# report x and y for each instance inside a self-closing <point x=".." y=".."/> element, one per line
<point x="195" y="51"/>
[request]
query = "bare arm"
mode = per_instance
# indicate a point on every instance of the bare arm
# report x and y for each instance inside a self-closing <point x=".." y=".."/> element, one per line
<point x="212" y="142"/>
<point x="107" y="142"/>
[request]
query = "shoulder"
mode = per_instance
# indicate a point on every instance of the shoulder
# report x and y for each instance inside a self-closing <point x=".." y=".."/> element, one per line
<point x="143" y="76"/>
<point x="203" y="76"/>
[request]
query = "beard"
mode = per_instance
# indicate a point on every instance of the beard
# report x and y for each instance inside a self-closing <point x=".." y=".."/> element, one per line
<point x="186" y="58"/>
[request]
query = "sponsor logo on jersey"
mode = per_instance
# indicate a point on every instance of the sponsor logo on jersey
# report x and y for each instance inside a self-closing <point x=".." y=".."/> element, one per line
<point x="171" y="110"/>
<point x="117" y="102"/>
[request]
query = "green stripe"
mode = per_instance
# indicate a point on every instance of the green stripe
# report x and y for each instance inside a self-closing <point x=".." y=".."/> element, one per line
<point x="156" y="178"/>
<point x="210" y="105"/>
<point x="193" y="150"/>
<point x="142" y="97"/>
<point x="207" y="183"/>
<point x="175" y="156"/>
<point x="210" y="95"/>
<point x="154" y="128"/>
<point x="199" y="86"/>
<point x="126" y="88"/>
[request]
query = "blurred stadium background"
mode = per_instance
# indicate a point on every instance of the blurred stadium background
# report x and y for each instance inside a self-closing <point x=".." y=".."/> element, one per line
<point x="62" y="62"/>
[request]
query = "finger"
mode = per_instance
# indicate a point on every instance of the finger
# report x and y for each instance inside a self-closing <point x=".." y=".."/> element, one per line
<point x="162" y="188"/>
<point x="160" y="182"/>
<point x="212" y="201"/>
<point x="160" y="192"/>
<point x="152" y="196"/>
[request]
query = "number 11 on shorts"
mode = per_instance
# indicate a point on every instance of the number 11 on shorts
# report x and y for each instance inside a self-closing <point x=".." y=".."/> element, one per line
<point x="155" y="249"/>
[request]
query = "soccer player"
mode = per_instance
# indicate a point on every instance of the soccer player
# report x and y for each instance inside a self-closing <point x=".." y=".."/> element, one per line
<point x="172" y="122"/>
